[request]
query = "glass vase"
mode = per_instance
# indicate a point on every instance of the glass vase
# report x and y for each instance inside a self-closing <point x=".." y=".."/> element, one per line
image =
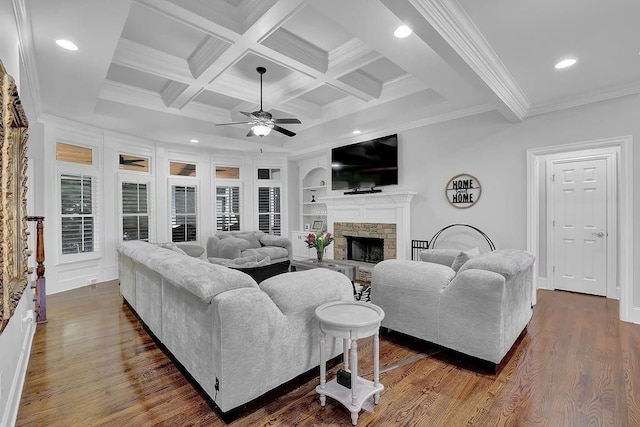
<point x="320" y="254"/>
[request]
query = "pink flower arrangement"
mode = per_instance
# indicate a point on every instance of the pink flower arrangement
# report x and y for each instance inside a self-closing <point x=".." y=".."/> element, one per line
<point x="319" y="241"/>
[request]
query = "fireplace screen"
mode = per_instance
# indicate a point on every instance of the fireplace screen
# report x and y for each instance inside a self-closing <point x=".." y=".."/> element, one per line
<point x="365" y="249"/>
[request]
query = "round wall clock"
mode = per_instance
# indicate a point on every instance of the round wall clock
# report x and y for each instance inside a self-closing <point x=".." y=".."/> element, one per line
<point x="463" y="191"/>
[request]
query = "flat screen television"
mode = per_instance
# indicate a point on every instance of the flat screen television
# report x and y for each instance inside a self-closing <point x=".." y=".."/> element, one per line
<point x="365" y="165"/>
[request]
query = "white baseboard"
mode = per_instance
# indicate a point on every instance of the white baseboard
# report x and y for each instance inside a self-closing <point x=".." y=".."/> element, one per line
<point x="15" y="393"/>
<point x="542" y="283"/>
<point x="634" y="315"/>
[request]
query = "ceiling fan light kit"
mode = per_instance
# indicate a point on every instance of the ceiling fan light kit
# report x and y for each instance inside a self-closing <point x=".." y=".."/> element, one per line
<point x="263" y="122"/>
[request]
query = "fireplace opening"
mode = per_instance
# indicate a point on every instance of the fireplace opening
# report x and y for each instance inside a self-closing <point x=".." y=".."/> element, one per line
<point x="365" y="249"/>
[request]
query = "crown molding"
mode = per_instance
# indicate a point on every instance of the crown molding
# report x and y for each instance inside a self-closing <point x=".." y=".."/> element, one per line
<point x="206" y="54"/>
<point x="360" y="84"/>
<point x="146" y="59"/>
<point x="27" y="55"/>
<point x="142" y="98"/>
<point x="455" y="27"/>
<point x="585" y="99"/>
<point x="300" y="50"/>
<point x="172" y="91"/>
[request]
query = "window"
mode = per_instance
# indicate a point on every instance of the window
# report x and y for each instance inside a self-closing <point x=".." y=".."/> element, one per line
<point x="227" y="208"/>
<point x="134" y="163"/>
<point x="135" y="211"/>
<point x="184" y="216"/>
<point x="269" y="219"/>
<point x="74" y="154"/>
<point x="182" y="169"/>
<point x="77" y="213"/>
<point x="264" y="173"/>
<point x="227" y="172"/>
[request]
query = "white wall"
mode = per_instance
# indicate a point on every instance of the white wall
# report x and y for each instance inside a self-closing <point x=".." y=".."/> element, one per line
<point x="15" y="340"/>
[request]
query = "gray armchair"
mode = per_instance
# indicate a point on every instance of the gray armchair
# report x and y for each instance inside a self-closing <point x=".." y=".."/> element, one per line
<point x="479" y="310"/>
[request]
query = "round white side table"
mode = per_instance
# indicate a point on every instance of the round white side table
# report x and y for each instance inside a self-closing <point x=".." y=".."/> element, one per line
<point x="350" y="320"/>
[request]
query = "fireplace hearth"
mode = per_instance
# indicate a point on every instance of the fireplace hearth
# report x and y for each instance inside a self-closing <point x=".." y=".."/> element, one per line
<point x="365" y="249"/>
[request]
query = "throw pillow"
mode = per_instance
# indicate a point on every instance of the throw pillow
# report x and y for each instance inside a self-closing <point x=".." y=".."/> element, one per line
<point x="253" y="240"/>
<point x="231" y="247"/>
<point x="212" y="246"/>
<point x="440" y="256"/>
<point x="171" y="246"/>
<point x="463" y="257"/>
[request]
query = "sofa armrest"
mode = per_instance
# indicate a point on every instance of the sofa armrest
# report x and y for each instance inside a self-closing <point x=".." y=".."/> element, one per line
<point x="471" y="315"/>
<point x="306" y="290"/>
<point x="282" y="242"/>
<point x="408" y="292"/>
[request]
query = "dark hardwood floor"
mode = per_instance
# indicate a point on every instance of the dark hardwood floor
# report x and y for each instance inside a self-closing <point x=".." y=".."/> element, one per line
<point x="94" y="364"/>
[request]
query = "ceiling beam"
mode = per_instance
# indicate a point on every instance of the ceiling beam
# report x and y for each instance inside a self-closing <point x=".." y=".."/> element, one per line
<point x="448" y="30"/>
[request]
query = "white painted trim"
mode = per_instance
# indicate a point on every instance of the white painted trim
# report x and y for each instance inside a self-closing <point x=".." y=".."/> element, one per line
<point x="390" y="207"/>
<point x="15" y="393"/>
<point x="628" y="312"/>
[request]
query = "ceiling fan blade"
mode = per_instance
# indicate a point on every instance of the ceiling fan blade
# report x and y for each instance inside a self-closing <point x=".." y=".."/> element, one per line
<point x="283" y="130"/>
<point x="287" y="121"/>
<point x="232" y="123"/>
<point x="251" y="133"/>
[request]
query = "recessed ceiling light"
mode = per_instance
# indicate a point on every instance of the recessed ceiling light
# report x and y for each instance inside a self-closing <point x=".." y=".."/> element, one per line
<point x="402" y="31"/>
<point x="66" y="44"/>
<point x="356" y="132"/>
<point x="566" y="63"/>
<point x="195" y="141"/>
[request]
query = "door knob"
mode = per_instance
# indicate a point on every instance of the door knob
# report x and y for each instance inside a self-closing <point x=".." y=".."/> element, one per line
<point x="599" y="234"/>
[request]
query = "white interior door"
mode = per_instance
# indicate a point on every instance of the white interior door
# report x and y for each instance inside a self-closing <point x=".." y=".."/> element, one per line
<point x="579" y="226"/>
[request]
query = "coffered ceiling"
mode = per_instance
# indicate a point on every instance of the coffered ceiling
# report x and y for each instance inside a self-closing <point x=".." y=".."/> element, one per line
<point x="169" y="70"/>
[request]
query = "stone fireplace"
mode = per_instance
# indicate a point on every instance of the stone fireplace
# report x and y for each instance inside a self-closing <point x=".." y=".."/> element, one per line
<point x="365" y="249"/>
<point x="346" y="233"/>
<point x="368" y="242"/>
<point x="384" y="215"/>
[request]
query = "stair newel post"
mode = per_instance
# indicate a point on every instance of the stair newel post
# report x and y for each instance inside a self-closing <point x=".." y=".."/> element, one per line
<point x="41" y="283"/>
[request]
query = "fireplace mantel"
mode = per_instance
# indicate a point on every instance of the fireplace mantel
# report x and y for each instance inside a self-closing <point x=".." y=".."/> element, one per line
<point x="392" y="207"/>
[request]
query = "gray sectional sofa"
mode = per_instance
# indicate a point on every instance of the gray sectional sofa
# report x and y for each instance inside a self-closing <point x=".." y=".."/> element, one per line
<point x="477" y="305"/>
<point x="248" y="246"/>
<point x="238" y="340"/>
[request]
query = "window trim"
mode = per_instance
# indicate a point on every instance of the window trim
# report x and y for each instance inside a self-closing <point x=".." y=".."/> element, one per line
<point x="269" y="184"/>
<point x="184" y="182"/>
<point x="136" y="178"/>
<point x="225" y="184"/>
<point x="65" y="168"/>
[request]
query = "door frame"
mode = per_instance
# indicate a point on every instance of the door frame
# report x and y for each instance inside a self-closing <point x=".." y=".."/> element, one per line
<point x="609" y="155"/>
<point x="623" y="147"/>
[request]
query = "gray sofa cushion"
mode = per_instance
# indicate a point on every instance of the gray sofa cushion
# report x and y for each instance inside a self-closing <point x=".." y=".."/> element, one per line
<point x="440" y="256"/>
<point x="305" y="290"/>
<point x="272" y="252"/>
<point x="191" y="249"/>
<point x="506" y="262"/>
<point x="231" y="247"/>
<point x="172" y="247"/>
<point x="463" y="257"/>
<point x="270" y="240"/>
<point x="212" y="246"/>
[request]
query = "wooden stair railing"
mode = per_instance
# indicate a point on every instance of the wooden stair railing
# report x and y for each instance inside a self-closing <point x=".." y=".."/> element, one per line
<point x="41" y="283"/>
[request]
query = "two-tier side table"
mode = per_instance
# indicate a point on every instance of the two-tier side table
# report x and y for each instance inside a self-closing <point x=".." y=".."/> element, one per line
<point x="350" y="320"/>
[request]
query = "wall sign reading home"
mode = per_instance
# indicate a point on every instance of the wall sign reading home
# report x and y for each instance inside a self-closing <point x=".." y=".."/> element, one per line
<point x="463" y="191"/>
